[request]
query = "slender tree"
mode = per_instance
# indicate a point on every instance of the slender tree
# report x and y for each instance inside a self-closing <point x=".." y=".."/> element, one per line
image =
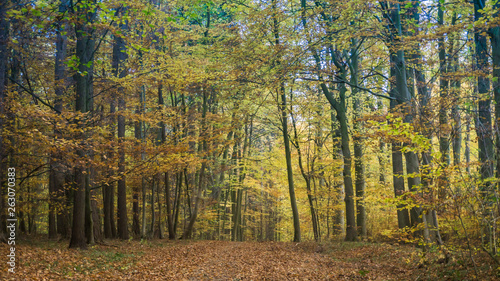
<point x="4" y="39"/>
<point x="120" y="71"/>
<point x="281" y="93"/>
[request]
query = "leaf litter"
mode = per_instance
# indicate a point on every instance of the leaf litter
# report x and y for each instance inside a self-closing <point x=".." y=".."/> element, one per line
<point x="214" y="260"/>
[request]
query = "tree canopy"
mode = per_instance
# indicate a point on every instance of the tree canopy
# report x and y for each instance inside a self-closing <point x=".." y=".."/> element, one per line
<point x="253" y="120"/>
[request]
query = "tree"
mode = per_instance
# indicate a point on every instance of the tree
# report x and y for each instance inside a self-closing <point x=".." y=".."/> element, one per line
<point x="119" y="57"/>
<point x="444" y="138"/>
<point x="4" y="39"/>
<point x="281" y="94"/>
<point x="358" y="146"/>
<point x="85" y="45"/>
<point x="494" y="33"/>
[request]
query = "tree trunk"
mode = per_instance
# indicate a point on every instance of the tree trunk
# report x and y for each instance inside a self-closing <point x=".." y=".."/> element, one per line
<point x="65" y="195"/>
<point x="89" y="223"/>
<point x="144" y="220"/>
<point x="119" y="57"/>
<point x="340" y="108"/>
<point x="96" y="218"/>
<point x="351" y="233"/>
<point x="429" y="216"/>
<point x="170" y="221"/>
<point x="339" y="221"/>
<point x="152" y="205"/>
<point x="307" y="178"/>
<point x="84" y="79"/>
<point x="288" y="156"/>
<point x="78" y="239"/>
<point x="235" y="192"/>
<point x="494" y="33"/>
<point x="109" y="188"/>
<point x="454" y="93"/>
<point x="201" y="178"/>
<point x="189" y="229"/>
<point x="483" y="126"/>
<point x="359" y="168"/>
<point x="286" y="140"/>
<point x="444" y="138"/>
<point x="483" y="121"/>
<point x="4" y="39"/>
<point x="401" y="96"/>
<point x="139" y="135"/>
<point x="56" y="187"/>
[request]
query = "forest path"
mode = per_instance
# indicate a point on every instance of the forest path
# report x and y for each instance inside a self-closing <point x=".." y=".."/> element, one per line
<point x="218" y="260"/>
<point x="211" y="260"/>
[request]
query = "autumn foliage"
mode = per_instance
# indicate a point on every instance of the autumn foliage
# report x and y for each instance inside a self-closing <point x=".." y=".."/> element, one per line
<point x="253" y="121"/>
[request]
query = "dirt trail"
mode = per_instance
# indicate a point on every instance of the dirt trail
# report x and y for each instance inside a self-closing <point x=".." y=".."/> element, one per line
<point x="209" y="260"/>
<point x="213" y="260"/>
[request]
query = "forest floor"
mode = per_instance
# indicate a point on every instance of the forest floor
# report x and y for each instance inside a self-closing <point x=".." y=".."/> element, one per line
<point x="218" y="260"/>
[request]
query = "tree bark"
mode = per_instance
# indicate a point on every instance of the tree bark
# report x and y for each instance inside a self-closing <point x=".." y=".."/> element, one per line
<point x="444" y="136"/>
<point x="119" y="58"/>
<point x="284" y="123"/>
<point x="454" y="93"/>
<point x="340" y="108"/>
<point x="109" y="188"/>
<point x="201" y="178"/>
<point x="339" y="221"/>
<point x="139" y="135"/>
<point x="484" y="127"/>
<point x="84" y="79"/>
<point x="399" y="91"/>
<point x="359" y="168"/>
<point x="494" y="34"/>
<point x="4" y="39"/>
<point x="483" y="120"/>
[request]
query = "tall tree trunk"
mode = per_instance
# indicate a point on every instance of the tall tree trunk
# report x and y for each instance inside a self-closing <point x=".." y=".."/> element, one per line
<point x="170" y="223"/>
<point x="56" y="182"/>
<point x="139" y="135"/>
<point x="494" y="33"/>
<point x="359" y="168"/>
<point x="89" y="223"/>
<point x="351" y="234"/>
<point x="454" y="93"/>
<point x="119" y="58"/>
<point x="401" y="96"/>
<point x="483" y="125"/>
<point x="152" y="205"/>
<point x="144" y="220"/>
<point x="235" y="192"/>
<point x="288" y="156"/>
<point x="189" y="229"/>
<point x="444" y="138"/>
<point x="84" y="79"/>
<point x="177" y="201"/>
<point x="340" y="108"/>
<point x="431" y="230"/>
<point x="286" y="140"/>
<point x="95" y="212"/>
<point x="4" y="39"/>
<point x="483" y="120"/>
<point x="170" y="220"/>
<point x="307" y="177"/>
<point x="338" y="220"/>
<point x="109" y="188"/>
<point x="201" y="178"/>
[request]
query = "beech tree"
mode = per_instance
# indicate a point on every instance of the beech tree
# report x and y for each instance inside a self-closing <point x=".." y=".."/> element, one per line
<point x="252" y="120"/>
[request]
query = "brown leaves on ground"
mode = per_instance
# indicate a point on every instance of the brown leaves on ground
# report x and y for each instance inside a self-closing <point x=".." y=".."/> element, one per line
<point x="214" y="260"/>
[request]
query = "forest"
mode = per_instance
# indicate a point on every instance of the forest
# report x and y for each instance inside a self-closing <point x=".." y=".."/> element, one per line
<point x="280" y="139"/>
